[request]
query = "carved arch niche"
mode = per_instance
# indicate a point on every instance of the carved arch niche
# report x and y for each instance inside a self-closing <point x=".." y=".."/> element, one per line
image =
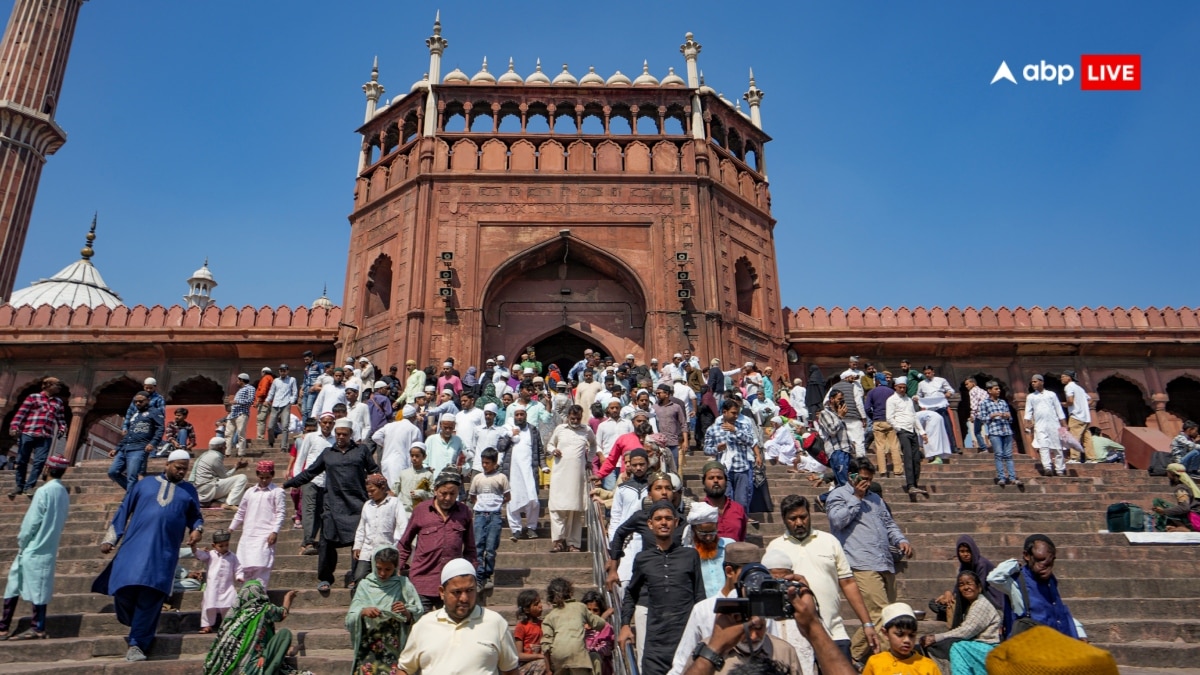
<point x="379" y="286"/>
<point x="746" y="284"/>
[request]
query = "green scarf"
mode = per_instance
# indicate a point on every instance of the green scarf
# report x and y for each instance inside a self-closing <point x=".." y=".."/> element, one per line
<point x="388" y="632"/>
<point x="241" y="629"/>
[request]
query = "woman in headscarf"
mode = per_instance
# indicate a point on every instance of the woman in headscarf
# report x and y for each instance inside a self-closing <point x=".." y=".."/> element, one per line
<point x="471" y="380"/>
<point x="247" y="643"/>
<point x="814" y="397"/>
<point x="489" y="396"/>
<point x="969" y="558"/>
<point x="383" y="611"/>
<point x="973" y="633"/>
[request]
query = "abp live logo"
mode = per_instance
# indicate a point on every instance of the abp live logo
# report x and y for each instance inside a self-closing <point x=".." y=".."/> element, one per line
<point x="1098" y="72"/>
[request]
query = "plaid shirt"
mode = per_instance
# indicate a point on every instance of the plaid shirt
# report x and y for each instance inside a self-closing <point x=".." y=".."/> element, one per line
<point x="241" y="402"/>
<point x="833" y="429"/>
<point x="999" y="426"/>
<point x="739" y="444"/>
<point x="40" y="415"/>
<point x="172" y="433"/>
<point x="978" y="396"/>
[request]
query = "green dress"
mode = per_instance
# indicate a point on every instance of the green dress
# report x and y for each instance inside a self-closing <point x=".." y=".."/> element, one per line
<point x="378" y="641"/>
<point x="248" y="643"/>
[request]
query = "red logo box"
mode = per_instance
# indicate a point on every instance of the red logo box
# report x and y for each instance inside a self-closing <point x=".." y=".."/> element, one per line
<point x="1121" y="72"/>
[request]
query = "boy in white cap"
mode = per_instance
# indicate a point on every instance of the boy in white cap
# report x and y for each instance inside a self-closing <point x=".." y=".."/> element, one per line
<point x="899" y="624"/>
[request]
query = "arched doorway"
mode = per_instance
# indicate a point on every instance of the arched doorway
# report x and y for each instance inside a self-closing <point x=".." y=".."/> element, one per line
<point x="563" y="296"/>
<point x="198" y="390"/>
<point x="1183" y="395"/>
<point x="964" y="408"/>
<point x="1124" y="399"/>
<point x="102" y="424"/>
<point x="8" y="442"/>
<point x="564" y="349"/>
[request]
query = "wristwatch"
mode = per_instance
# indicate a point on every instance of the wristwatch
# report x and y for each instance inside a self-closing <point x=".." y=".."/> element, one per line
<point x="703" y="652"/>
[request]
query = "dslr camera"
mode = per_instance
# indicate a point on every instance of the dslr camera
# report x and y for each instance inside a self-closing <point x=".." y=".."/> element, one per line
<point x="761" y="595"/>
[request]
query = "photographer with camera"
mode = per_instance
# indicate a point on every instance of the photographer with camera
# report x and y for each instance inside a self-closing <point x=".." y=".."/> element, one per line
<point x="864" y="526"/>
<point x="731" y="630"/>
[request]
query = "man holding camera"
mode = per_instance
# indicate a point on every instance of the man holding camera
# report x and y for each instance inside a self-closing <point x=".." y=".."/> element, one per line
<point x="860" y="520"/>
<point x="763" y="634"/>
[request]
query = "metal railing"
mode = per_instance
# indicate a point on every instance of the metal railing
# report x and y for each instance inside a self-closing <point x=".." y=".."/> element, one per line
<point x="624" y="660"/>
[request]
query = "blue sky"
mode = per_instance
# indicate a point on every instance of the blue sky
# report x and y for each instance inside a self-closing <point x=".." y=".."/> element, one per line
<point x="226" y="129"/>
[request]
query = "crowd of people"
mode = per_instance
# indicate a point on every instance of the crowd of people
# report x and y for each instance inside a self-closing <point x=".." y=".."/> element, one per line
<point x="419" y="473"/>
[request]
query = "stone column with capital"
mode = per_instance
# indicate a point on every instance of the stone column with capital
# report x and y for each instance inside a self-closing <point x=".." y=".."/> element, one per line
<point x="1019" y="398"/>
<point x="79" y="408"/>
<point x="1161" y="417"/>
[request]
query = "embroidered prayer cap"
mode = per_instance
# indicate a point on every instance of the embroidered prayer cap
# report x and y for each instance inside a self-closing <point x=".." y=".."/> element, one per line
<point x="352" y="388"/>
<point x="491" y="408"/>
<point x="447" y="364"/>
<point x="220" y="536"/>
<point x="378" y="481"/>
<point x="657" y="476"/>
<point x="710" y="466"/>
<point x="895" y="611"/>
<point x="343" y="423"/>
<point x="57" y="462"/>
<point x="516" y="408"/>
<point x="901" y="380"/>
<point x="265" y="466"/>
<point x="447" y="476"/>
<point x="773" y="559"/>
<point x="701" y="513"/>
<point x="179" y="456"/>
<point x="217" y="442"/>
<point x="327" y="416"/>
<point x="458" y="567"/>
<point x="150" y="380"/>
<point x="742" y="553"/>
<point x="1044" y="651"/>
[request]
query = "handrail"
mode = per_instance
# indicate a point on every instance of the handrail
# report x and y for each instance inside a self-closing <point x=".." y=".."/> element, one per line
<point x="624" y="660"/>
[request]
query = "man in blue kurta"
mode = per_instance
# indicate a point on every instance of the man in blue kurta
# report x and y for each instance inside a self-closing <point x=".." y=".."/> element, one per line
<point x="1031" y="589"/>
<point x="31" y="576"/>
<point x="150" y="524"/>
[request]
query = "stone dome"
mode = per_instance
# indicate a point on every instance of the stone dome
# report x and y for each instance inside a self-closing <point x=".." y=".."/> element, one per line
<point x="673" y="80"/>
<point x="592" y="79"/>
<point x="704" y="88"/>
<point x="645" y="79"/>
<point x="456" y="76"/>
<point x="618" y="80"/>
<point x="77" y="285"/>
<point x="511" y="77"/>
<point x="422" y="83"/>
<point x="203" y="273"/>
<point x="537" y="77"/>
<point x="323" y="301"/>
<point x="483" y="76"/>
<point x="565" y="77"/>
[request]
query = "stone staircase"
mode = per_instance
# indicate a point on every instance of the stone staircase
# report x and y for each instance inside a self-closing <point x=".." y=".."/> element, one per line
<point x="1142" y="603"/>
<point x="85" y="634"/>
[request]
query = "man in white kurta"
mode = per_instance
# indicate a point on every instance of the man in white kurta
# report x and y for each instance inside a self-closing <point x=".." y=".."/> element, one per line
<point x="31" y="576"/>
<point x="359" y="416"/>
<point x="932" y="432"/>
<point x="521" y="460"/>
<point x="260" y="515"/>
<point x="587" y="391"/>
<point x="573" y="446"/>
<point x="469" y="421"/>
<point x="396" y="439"/>
<point x="1043" y="417"/>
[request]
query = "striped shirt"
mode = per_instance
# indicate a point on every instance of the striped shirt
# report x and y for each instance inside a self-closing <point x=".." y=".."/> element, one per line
<point x="1000" y="426"/>
<point x="40" y="415"/>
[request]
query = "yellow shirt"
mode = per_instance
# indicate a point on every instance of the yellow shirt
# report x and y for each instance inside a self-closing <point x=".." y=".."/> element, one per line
<point x="886" y="663"/>
<point x="820" y="559"/>
<point x="480" y="645"/>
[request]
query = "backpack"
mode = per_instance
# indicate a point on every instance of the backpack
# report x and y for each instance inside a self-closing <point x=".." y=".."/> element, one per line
<point x="1126" y="517"/>
<point x="1158" y="463"/>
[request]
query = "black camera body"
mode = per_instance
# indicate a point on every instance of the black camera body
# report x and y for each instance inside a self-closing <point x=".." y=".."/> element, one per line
<point x="762" y="595"/>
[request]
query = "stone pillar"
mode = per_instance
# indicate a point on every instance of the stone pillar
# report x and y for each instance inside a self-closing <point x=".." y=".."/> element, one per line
<point x="75" y="431"/>
<point x="956" y="433"/>
<point x="1019" y="401"/>
<point x="1161" y="417"/>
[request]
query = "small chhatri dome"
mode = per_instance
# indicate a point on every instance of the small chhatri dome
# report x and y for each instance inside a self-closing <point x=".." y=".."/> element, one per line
<point x="592" y="79"/>
<point x="704" y="88"/>
<point x="204" y="273"/>
<point x="456" y="76"/>
<point x="483" y="76"/>
<point x="76" y="285"/>
<point x="538" y="77"/>
<point x="200" y="287"/>
<point x="422" y="83"/>
<point x="324" y="300"/>
<point x="511" y="77"/>
<point x="645" y="79"/>
<point x="618" y="80"/>
<point x="673" y="80"/>
<point x="565" y="77"/>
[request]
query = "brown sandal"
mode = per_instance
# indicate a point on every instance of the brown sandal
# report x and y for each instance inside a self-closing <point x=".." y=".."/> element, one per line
<point x="559" y="547"/>
<point x="32" y="635"/>
<point x="574" y="549"/>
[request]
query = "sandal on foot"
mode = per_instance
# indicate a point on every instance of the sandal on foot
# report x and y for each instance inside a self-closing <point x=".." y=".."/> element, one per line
<point x="32" y="635"/>
<point x="559" y="547"/>
<point x="207" y="630"/>
<point x="574" y="549"/>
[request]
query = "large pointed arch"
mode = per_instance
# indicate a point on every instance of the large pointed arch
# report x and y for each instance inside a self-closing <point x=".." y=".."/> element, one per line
<point x="568" y="286"/>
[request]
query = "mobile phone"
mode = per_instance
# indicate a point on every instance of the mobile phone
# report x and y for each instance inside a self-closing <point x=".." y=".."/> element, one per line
<point x="853" y="478"/>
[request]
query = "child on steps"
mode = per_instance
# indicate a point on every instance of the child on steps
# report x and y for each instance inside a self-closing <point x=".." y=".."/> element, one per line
<point x="219" y="593"/>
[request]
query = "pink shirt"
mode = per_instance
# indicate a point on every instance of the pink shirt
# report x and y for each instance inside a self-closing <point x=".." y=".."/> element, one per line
<point x="219" y="591"/>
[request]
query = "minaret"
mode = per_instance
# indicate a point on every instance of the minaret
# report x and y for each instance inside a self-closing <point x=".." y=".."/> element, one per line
<point x="690" y="50"/>
<point x="33" y="59"/>
<point x="754" y="97"/>
<point x="373" y="90"/>
<point x="200" y="286"/>
<point x="437" y="44"/>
